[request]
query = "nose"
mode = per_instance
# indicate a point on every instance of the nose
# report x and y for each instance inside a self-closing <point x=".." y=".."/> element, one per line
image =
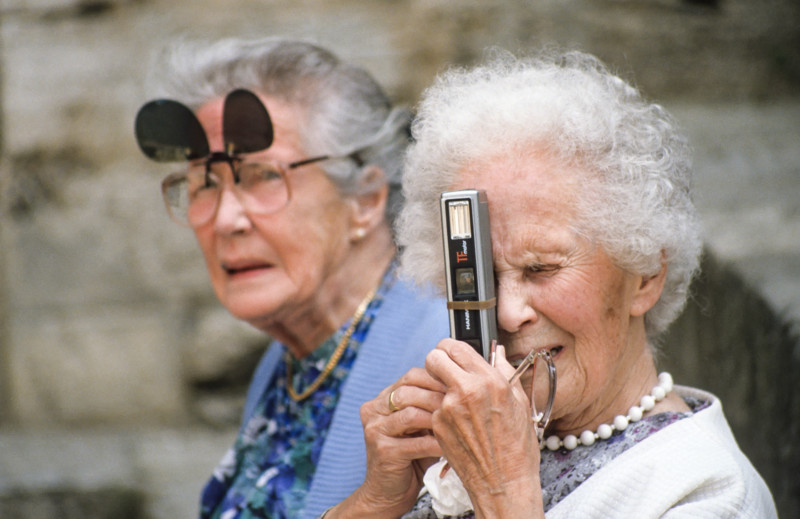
<point x="231" y="216"/>
<point x="514" y="306"/>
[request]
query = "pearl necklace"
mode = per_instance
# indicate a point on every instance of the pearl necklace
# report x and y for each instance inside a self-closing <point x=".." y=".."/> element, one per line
<point x="620" y="422"/>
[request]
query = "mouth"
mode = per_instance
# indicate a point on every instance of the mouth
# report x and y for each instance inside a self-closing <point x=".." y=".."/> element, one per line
<point x="234" y="269"/>
<point x="554" y="351"/>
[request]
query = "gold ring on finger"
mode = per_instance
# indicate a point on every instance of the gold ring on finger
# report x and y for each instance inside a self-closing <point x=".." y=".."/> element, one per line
<point x="392" y="406"/>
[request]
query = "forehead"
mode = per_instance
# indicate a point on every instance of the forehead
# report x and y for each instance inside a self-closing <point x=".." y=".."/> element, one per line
<point x="532" y="204"/>
<point x="520" y="187"/>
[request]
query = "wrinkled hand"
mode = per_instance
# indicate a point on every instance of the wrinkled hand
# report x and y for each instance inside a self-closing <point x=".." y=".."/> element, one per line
<point x="400" y="447"/>
<point x="485" y="430"/>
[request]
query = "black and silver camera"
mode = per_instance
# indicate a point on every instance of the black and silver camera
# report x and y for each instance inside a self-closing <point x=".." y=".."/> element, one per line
<point x="469" y="270"/>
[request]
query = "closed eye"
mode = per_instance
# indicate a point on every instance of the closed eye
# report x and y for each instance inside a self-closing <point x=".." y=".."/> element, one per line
<point x="539" y="269"/>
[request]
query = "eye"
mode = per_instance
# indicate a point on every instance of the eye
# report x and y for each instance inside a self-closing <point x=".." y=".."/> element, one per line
<point x="254" y="173"/>
<point x="540" y="269"/>
<point x="198" y="182"/>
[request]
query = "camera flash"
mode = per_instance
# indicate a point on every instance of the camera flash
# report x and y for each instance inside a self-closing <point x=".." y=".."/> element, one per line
<point x="460" y="222"/>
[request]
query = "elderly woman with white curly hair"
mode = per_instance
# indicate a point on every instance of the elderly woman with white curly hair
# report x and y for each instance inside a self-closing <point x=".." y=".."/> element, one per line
<point x="595" y="241"/>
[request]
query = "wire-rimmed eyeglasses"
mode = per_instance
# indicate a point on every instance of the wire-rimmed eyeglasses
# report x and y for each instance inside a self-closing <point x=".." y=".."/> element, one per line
<point x="261" y="186"/>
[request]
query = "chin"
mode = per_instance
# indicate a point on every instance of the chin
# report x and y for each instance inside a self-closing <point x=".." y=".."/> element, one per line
<point x="252" y="309"/>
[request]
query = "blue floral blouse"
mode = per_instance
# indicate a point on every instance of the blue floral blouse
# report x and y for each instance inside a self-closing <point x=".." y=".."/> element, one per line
<point x="268" y="471"/>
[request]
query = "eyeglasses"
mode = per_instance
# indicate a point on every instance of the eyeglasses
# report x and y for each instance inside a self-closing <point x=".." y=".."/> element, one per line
<point x="192" y="197"/>
<point x="168" y="131"/>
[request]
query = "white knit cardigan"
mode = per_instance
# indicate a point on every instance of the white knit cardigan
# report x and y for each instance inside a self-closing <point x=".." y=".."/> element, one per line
<point x="691" y="469"/>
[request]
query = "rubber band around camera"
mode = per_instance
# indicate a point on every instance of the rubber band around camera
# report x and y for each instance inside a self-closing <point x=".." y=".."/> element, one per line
<point x="472" y="305"/>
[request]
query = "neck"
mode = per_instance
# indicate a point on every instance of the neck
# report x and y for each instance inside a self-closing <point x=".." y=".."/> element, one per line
<point x="339" y="296"/>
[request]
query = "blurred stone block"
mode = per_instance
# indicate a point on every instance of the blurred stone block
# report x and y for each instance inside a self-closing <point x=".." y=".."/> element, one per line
<point x="104" y="503"/>
<point x="175" y="464"/>
<point x="221" y="349"/>
<point x="83" y="365"/>
<point x="67" y="475"/>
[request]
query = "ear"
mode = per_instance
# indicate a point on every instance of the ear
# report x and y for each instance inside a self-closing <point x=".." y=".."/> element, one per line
<point x="369" y="207"/>
<point x="650" y="288"/>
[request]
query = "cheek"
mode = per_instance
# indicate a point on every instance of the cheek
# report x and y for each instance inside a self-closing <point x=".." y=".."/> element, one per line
<point x="616" y="303"/>
<point x="596" y="324"/>
<point x="313" y="240"/>
<point x="573" y="306"/>
<point x="593" y="322"/>
<point x="600" y="331"/>
<point x="592" y="304"/>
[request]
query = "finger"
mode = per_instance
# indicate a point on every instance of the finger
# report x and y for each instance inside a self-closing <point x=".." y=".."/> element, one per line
<point x="415" y="396"/>
<point x="419" y="377"/>
<point x="386" y="402"/>
<point x="452" y="360"/>
<point x="462" y="354"/>
<point x="407" y="433"/>
<point x="420" y="447"/>
<point x="392" y="462"/>
<point x="501" y="362"/>
<point x="409" y="421"/>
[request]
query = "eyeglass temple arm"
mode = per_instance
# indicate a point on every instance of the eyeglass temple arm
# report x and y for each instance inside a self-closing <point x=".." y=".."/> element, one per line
<point x="355" y="156"/>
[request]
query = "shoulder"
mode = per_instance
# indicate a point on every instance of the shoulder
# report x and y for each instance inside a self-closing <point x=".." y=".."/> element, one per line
<point x="412" y="312"/>
<point x="701" y="452"/>
<point x="690" y="468"/>
<point x="407" y="326"/>
<point x="403" y="289"/>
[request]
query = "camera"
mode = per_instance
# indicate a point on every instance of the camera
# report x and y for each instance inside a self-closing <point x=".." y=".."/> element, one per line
<point x="471" y="300"/>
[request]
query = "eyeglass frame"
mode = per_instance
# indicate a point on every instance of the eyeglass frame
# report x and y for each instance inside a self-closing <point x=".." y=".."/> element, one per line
<point x="221" y="156"/>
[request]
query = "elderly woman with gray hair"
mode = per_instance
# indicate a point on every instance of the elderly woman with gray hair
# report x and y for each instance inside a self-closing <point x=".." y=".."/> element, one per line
<point x="290" y="180"/>
<point x="595" y="241"/>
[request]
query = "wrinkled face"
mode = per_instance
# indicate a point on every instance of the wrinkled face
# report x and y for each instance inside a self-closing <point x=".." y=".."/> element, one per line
<point x="265" y="268"/>
<point x="555" y="289"/>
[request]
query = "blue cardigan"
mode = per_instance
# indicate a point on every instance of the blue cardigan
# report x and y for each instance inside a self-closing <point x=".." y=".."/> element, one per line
<point x="407" y="327"/>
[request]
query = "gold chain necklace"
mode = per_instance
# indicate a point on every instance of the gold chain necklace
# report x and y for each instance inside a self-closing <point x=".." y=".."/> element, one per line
<point x="337" y="353"/>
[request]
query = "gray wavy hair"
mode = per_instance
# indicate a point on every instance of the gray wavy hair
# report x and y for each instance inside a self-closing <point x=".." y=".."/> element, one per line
<point x="636" y="203"/>
<point x="344" y="107"/>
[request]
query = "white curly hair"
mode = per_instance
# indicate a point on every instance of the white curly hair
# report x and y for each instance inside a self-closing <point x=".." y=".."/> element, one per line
<point x="636" y="203"/>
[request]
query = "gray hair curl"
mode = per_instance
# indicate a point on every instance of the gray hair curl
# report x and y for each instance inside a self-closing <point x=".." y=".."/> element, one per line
<point x="636" y="201"/>
<point x="344" y="108"/>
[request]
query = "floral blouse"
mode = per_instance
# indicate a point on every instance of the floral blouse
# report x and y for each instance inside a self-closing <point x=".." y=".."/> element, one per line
<point x="268" y="471"/>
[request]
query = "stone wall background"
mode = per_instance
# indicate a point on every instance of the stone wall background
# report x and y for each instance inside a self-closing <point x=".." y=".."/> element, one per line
<point x="121" y="378"/>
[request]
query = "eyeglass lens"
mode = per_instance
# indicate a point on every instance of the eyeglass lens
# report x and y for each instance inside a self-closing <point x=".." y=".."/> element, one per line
<point x="246" y="124"/>
<point x="193" y="197"/>
<point x="168" y="131"/>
